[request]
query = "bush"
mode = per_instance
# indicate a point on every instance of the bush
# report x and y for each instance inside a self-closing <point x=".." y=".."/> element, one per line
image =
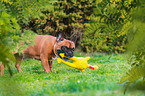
<point x="108" y="30"/>
<point x="136" y="47"/>
<point x="68" y="16"/>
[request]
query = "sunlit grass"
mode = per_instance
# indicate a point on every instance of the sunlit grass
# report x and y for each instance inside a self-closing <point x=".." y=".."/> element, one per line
<point x="64" y="80"/>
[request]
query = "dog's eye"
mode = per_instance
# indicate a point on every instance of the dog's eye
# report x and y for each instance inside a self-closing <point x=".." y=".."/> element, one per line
<point x="64" y="47"/>
<point x="71" y="49"/>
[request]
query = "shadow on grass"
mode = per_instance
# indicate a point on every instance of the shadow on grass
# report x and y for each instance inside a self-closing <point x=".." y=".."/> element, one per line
<point x="140" y="86"/>
<point x="137" y="87"/>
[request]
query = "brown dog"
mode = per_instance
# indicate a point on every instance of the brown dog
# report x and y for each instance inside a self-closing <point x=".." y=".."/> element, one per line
<point x="45" y="48"/>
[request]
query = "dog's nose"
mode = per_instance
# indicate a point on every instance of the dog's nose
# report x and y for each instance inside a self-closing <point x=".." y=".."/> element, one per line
<point x="69" y="54"/>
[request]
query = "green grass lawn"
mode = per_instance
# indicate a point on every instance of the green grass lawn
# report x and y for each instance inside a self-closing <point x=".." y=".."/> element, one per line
<point x="67" y="81"/>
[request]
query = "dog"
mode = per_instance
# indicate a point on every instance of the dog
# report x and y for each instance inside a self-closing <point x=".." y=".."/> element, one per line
<point x="46" y="47"/>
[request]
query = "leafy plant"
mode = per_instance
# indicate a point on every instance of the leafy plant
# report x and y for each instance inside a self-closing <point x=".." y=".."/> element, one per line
<point x="68" y="16"/>
<point x="136" y="48"/>
<point x="107" y="31"/>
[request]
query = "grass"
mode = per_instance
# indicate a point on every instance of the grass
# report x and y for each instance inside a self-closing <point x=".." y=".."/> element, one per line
<point x="67" y="81"/>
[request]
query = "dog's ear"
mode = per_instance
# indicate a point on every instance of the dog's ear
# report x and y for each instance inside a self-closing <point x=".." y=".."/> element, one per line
<point x="60" y="36"/>
<point x="74" y="39"/>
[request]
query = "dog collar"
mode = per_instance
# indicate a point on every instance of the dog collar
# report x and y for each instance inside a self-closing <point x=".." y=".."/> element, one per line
<point x="54" y="51"/>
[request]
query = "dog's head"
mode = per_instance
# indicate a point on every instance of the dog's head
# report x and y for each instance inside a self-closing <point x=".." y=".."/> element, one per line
<point x="68" y="50"/>
<point x="65" y="46"/>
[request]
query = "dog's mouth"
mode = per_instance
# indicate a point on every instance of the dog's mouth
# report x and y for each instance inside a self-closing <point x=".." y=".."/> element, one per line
<point x="68" y="52"/>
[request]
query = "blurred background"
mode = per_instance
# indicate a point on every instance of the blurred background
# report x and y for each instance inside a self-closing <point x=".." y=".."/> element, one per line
<point x="100" y="25"/>
<point x="105" y="26"/>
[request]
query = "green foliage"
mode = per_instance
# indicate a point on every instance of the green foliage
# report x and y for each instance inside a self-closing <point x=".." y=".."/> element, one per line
<point x="136" y="48"/>
<point x="69" y="16"/>
<point x="107" y="31"/>
<point x="5" y="26"/>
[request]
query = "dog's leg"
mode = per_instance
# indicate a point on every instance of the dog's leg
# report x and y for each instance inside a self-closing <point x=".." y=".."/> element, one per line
<point x="45" y="64"/>
<point x="50" y="65"/>
<point x="19" y="59"/>
<point x="2" y="69"/>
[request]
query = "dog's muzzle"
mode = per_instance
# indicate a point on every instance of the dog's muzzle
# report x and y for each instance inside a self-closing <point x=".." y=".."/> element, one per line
<point x="68" y="52"/>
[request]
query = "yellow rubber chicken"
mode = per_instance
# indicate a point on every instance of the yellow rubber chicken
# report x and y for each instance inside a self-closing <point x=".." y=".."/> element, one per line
<point x="78" y="62"/>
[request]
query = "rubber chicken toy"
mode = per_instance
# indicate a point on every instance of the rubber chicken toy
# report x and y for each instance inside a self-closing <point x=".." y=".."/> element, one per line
<point x="78" y="62"/>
